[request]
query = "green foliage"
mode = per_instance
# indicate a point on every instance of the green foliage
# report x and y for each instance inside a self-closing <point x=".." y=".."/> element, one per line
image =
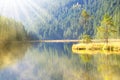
<point x="107" y="20"/>
<point x="86" y="38"/>
<point x="71" y="20"/>
<point x="85" y="14"/>
<point x="106" y="29"/>
<point x="100" y="32"/>
<point x="86" y="17"/>
<point x="116" y="20"/>
<point x="11" y="30"/>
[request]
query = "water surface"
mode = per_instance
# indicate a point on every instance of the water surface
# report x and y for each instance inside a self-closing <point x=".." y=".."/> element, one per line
<point x="48" y="61"/>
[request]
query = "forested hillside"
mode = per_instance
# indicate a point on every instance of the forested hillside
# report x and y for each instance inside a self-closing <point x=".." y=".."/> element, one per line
<point x="11" y="30"/>
<point x="69" y="23"/>
<point x="71" y="19"/>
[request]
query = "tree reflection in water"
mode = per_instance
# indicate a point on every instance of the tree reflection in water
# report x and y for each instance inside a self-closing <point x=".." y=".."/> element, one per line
<point x="46" y="64"/>
<point x="11" y="52"/>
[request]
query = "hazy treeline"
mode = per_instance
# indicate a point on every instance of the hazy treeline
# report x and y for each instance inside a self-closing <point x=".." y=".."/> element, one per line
<point x="11" y="30"/>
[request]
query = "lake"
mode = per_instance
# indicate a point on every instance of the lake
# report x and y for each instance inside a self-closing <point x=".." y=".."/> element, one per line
<point x="55" y="61"/>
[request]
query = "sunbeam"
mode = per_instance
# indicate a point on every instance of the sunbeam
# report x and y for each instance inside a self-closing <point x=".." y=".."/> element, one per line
<point x="25" y="11"/>
<point x="33" y="14"/>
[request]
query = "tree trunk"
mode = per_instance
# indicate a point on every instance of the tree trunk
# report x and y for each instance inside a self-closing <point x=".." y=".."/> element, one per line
<point x="106" y="34"/>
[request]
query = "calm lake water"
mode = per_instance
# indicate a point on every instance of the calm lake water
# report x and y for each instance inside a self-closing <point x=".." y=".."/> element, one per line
<point x="55" y="61"/>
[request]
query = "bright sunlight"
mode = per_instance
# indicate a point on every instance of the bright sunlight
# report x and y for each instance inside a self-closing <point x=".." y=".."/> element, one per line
<point x="25" y="11"/>
<point x="21" y="8"/>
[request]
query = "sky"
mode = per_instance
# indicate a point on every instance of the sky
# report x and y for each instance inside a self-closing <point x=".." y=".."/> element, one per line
<point x="29" y="12"/>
